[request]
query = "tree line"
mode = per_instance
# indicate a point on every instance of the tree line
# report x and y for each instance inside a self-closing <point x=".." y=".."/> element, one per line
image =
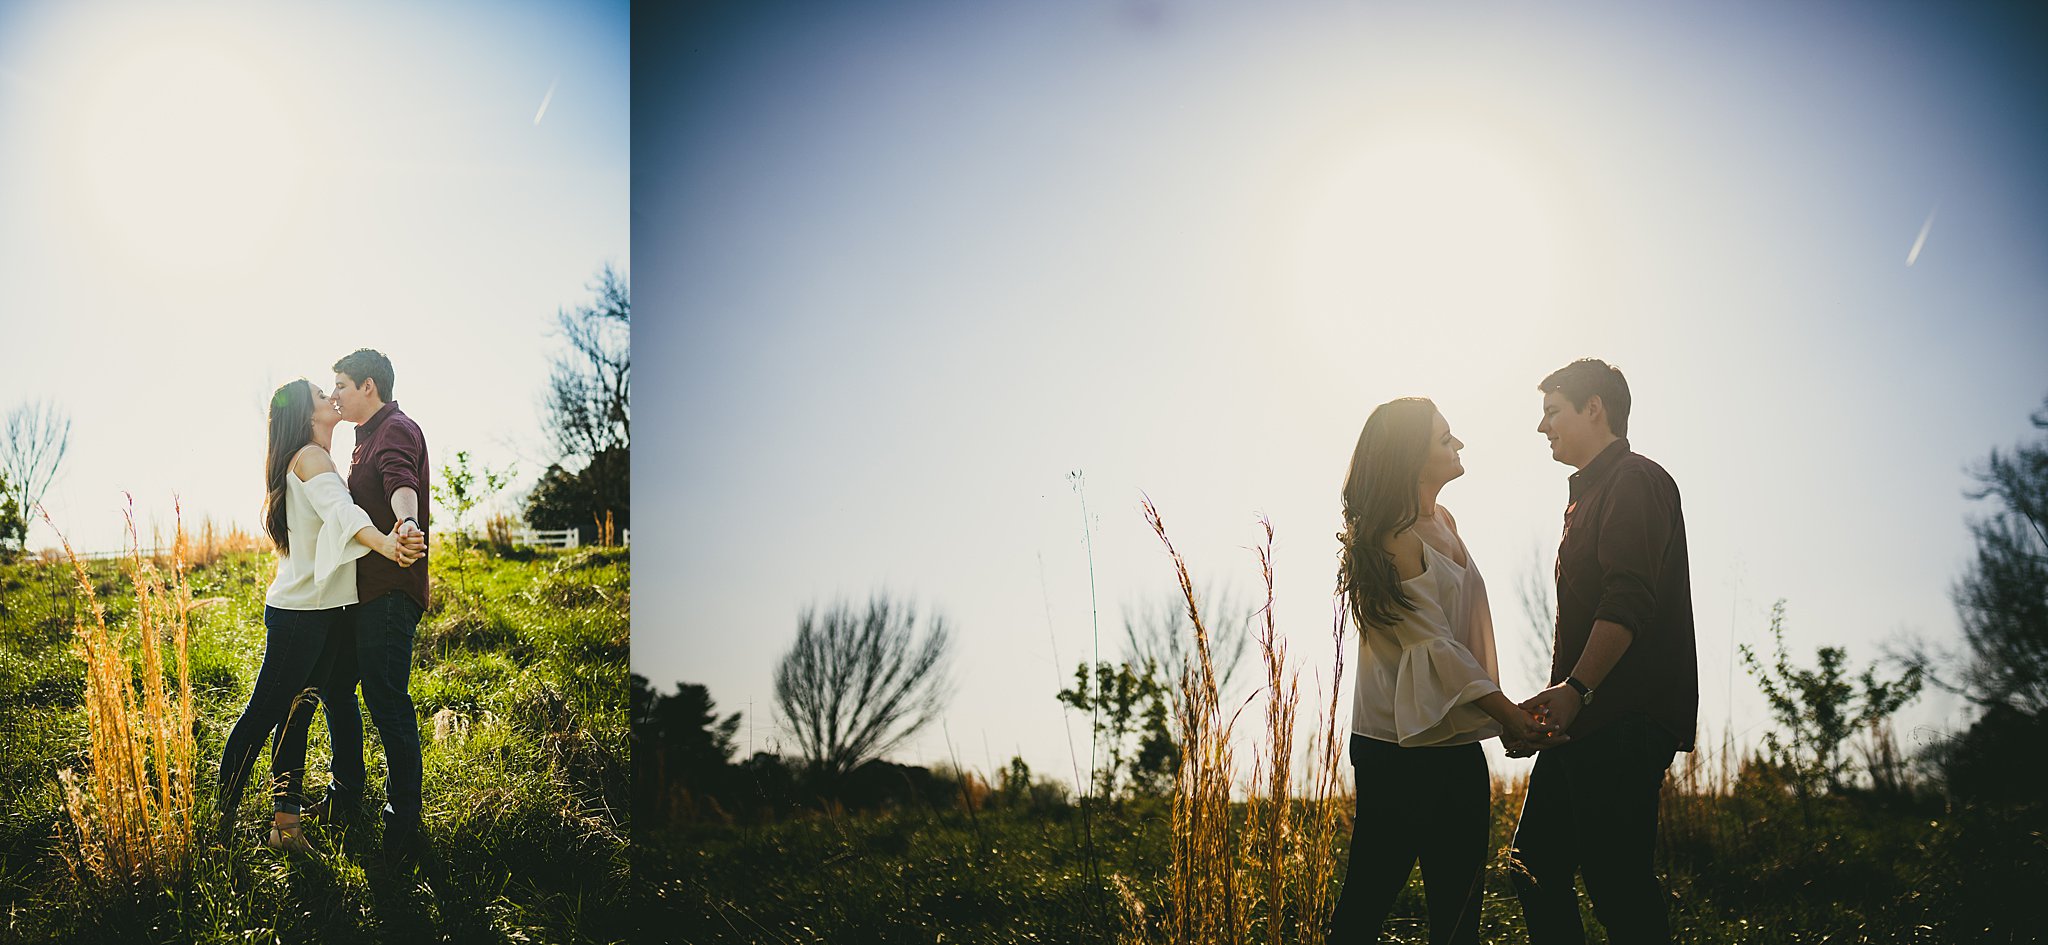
<point x="858" y="682"/>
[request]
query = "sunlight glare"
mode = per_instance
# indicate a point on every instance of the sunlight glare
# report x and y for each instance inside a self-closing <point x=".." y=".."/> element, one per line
<point x="186" y="158"/>
<point x="1433" y="237"/>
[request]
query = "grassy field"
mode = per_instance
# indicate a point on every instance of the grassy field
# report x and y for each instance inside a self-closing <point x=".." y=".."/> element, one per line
<point x="1744" y="856"/>
<point x="1741" y="867"/>
<point x="520" y="682"/>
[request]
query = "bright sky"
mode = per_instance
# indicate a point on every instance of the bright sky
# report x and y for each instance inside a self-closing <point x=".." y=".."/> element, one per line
<point x="913" y="264"/>
<point x="206" y="200"/>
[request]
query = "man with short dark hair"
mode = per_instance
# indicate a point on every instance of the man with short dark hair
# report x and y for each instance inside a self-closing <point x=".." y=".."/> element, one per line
<point x="1624" y="674"/>
<point x="388" y="474"/>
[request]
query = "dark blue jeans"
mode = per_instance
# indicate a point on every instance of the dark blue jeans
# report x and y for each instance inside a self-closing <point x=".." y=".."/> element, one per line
<point x="1592" y="810"/>
<point x="1429" y="804"/>
<point x="375" y="650"/>
<point x="296" y="657"/>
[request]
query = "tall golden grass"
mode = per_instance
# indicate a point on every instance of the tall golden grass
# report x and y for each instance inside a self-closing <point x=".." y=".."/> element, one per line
<point x="202" y="548"/>
<point x="1270" y="813"/>
<point x="131" y="812"/>
<point x="1329" y="801"/>
<point x="1271" y="876"/>
<point x="212" y="543"/>
<point x="1280" y="866"/>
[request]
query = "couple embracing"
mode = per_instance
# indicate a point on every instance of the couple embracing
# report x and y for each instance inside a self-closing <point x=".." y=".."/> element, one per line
<point x="338" y="617"/>
<point x="1624" y="688"/>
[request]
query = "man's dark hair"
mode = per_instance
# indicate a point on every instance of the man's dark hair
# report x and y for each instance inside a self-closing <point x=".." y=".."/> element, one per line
<point x="369" y="364"/>
<point x="1581" y="379"/>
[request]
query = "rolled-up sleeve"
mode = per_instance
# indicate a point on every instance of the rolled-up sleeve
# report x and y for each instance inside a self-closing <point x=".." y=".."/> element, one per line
<point x="398" y="460"/>
<point x="340" y="519"/>
<point x="1635" y="530"/>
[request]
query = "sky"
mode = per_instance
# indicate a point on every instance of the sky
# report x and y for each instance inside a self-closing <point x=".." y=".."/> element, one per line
<point x="913" y="265"/>
<point x="206" y="200"/>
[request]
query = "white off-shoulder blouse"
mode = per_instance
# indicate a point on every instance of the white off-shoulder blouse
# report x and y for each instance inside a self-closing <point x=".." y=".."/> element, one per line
<point x="1419" y="679"/>
<point x="321" y="522"/>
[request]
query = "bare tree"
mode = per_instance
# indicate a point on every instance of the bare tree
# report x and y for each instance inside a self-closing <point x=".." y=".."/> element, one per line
<point x="33" y="441"/>
<point x="2002" y="598"/>
<point x="590" y="385"/>
<point x="857" y="684"/>
<point x="1157" y="633"/>
<point x="589" y="407"/>
<point x="1539" y="607"/>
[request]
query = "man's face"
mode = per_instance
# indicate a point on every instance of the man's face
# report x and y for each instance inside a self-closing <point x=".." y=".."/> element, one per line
<point x="352" y="402"/>
<point x="1576" y="436"/>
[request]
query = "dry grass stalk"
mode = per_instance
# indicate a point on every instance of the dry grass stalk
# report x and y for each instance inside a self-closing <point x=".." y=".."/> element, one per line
<point x="129" y="824"/>
<point x="1329" y="804"/>
<point x="498" y="529"/>
<point x="205" y="547"/>
<point x="1283" y="696"/>
<point x="1130" y="911"/>
<point x="1287" y="850"/>
<point x="1203" y="888"/>
<point x="1881" y="758"/>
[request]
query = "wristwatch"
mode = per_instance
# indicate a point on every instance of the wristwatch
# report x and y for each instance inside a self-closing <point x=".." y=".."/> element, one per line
<point x="1585" y="692"/>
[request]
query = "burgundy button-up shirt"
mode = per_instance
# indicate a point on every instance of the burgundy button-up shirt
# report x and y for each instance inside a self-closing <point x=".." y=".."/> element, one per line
<point x="390" y="454"/>
<point x="1623" y="559"/>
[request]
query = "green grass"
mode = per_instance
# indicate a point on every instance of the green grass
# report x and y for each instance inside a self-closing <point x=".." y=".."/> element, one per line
<point x="525" y="796"/>
<point x="1742" y="869"/>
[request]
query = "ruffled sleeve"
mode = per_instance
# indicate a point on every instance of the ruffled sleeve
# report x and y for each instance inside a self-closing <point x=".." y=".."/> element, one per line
<point x="340" y="519"/>
<point x="1435" y="686"/>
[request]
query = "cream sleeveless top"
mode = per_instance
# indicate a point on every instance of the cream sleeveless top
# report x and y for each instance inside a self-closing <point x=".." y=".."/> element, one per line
<point x="320" y="523"/>
<point x="1418" y="680"/>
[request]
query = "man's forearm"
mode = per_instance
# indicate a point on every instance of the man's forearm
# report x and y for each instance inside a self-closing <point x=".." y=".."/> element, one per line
<point x="1603" y="649"/>
<point x="405" y="504"/>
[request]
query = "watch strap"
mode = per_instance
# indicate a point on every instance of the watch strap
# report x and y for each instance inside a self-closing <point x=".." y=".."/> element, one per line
<point x="1585" y="692"/>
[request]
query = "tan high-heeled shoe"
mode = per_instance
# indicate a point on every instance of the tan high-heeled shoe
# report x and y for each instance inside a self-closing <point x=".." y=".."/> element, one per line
<point x="289" y="836"/>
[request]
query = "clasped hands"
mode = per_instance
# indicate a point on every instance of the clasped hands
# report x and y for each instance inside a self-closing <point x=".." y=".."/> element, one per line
<point x="405" y="543"/>
<point x="1549" y="713"/>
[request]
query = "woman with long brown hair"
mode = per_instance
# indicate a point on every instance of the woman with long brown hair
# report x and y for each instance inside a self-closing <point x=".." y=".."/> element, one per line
<point x="1427" y="684"/>
<point x="319" y="533"/>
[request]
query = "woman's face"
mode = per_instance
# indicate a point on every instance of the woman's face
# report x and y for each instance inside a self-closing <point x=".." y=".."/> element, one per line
<point x="324" y="417"/>
<point x="1441" y="464"/>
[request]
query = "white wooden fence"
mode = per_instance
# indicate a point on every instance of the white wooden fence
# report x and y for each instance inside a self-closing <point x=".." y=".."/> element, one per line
<point x="563" y="538"/>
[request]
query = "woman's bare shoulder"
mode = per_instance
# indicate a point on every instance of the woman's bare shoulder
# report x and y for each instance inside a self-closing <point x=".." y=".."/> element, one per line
<point x="1405" y="547"/>
<point x="311" y="461"/>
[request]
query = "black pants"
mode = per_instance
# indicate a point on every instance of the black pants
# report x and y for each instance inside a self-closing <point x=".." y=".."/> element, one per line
<point x="374" y="649"/>
<point x="1592" y="808"/>
<point x="295" y="664"/>
<point x="1429" y="804"/>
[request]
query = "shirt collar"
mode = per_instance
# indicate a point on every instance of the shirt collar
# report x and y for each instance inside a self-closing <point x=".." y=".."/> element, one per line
<point x="1600" y="467"/>
<point x="390" y="407"/>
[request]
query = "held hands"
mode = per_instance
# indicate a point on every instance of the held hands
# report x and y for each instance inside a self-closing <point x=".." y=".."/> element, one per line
<point x="1554" y="708"/>
<point x="1523" y="732"/>
<point x="405" y="544"/>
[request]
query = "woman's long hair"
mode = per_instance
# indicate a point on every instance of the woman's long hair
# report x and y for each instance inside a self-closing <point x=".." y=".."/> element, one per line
<point x="291" y="428"/>
<point x="1379" y="502"/>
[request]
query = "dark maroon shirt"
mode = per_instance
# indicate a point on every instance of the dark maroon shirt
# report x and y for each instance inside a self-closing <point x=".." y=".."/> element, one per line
<point x="390" y="454"/>
<point x="1623" y="559"/>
